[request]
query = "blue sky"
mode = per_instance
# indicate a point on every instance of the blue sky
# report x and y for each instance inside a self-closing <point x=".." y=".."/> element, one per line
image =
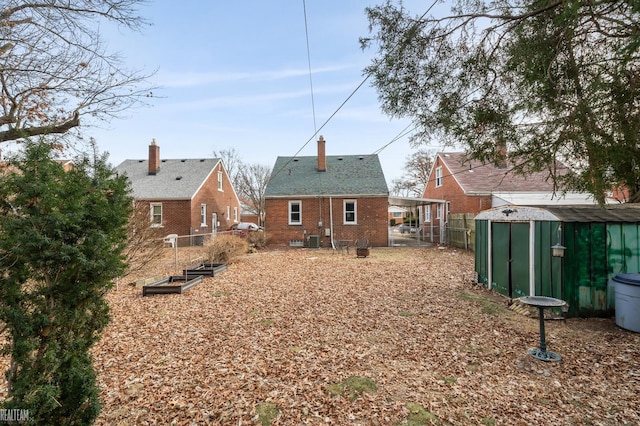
<point x="236" y="75"/>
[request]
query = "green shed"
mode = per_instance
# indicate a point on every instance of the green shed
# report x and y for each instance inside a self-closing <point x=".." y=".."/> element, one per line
<point x="514" y="252"/>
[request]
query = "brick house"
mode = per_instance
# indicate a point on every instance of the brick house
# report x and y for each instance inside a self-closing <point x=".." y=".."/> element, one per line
<point x="183" y="196"/>
<point x="469" y="186"/>
<point x="318" y="201"/>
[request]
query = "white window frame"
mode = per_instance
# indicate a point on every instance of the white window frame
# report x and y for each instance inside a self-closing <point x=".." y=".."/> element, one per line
<point x="228" y="213"/>
<point x="354" y="211"/>
<point x="438" y="177"/>
<point x="203" y="215"/>
<point x="396" y="215"/>
<point x="299" y="212"/>
<point x="152" y="215"/>
<point x="220" y="187"/>
<point x="235" y="214"/>
<point x="439" y="211"/>
<point x="427" y="213"/>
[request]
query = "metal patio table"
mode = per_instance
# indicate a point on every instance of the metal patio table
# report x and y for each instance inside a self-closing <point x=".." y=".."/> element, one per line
<point x="542" y="303"/>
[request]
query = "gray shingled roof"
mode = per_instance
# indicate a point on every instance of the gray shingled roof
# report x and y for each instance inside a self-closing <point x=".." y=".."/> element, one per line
<point x="476" y="177"/>
<point x="346" y="175"/>
<point x="176" y="179"/>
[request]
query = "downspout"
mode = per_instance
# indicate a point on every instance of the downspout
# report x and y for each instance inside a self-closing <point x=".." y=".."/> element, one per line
<point x="333" y="244"/>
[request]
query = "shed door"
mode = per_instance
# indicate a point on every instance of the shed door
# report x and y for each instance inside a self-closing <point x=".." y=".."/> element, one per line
<point x="510" y="258"/>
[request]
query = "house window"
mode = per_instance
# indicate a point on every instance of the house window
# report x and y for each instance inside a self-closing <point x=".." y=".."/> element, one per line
<point x="203" y="215"/>
<point x="228" y="212"/>
<point x="427" y="213"/>
<point x="235" y="214"/>
<point x="220" y="181"/>
<point x="438" y="211"/>
<point x="396" y="215"/>
<point x="350" y="211"/>
<point x="295" y="212"/>
<point x="156" y="214"/>
<point x="438" y="176"/>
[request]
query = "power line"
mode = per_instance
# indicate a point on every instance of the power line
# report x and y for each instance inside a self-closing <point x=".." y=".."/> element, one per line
<point x="348" y="98"/>
<point x="306" y="32"/>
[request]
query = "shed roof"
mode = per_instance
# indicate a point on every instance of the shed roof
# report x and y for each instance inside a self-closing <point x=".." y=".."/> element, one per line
<point x="595" y="213"/>
<point x="611" y="213"/>
<point x="176" y="179"/>
<point x="345" y="175"/>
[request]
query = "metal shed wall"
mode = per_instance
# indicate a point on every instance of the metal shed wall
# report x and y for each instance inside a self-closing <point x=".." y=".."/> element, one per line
<point x="595" y="252"/>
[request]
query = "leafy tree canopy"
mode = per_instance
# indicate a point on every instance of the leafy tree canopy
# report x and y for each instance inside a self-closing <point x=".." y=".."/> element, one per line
<point x="551" y="80"/>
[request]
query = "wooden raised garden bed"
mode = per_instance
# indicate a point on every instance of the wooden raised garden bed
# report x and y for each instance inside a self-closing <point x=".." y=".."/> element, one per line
<point x="172" y="284"/>
<point x="205" y="269"/>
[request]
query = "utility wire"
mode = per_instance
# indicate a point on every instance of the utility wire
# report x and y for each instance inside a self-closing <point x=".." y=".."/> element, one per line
<point x="306" y="32"/>
<point x="344" y="102"/>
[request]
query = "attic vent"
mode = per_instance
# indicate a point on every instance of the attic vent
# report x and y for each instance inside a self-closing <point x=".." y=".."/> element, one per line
<point x="178" y="177"/>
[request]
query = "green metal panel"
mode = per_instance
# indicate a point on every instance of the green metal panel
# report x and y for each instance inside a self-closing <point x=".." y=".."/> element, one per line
<point x="541" y="260"/>
<point x="547" y="269"/>
<point x="557" y="283"/>
<point x="519" y="259"/>
<point x="500" y="257"/>
<point x="631" y="244"/>
<point x="599" y="276"/>
<point x="482" y="251"/>
<point x="571" y="267"/>
<point x="616" y="259"/>
<point x="586" y="268"/>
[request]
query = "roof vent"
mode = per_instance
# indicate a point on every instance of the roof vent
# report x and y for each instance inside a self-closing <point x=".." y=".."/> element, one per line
<point x="178" y="177"/>
<point x="361" y="158"/>
<point x="295" y="159"/>
<point x="184" y="161"/>
<point x="202" y="160"/>
<point x="339" y="158"/>
<point x="140" y="161"/>
<point x="164" y="161"/>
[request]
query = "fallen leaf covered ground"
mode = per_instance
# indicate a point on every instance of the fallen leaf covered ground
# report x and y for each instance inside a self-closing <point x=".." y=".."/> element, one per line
<point x="288" y="329"/>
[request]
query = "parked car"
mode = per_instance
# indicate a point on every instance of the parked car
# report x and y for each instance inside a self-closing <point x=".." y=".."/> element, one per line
<point x="405" y="228"/>
<point x="241" y="228"/>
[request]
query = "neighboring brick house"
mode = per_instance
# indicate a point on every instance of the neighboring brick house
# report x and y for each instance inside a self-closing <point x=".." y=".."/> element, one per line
<point x="183" y="196"/>
<point x="318" y="201"/>
<point x="469" y="186"/>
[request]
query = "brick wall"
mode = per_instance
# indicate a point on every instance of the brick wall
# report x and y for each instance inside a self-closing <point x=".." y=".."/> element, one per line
<point x="182" y="217"/>
<point x="372" y="220"/>
<point x="216" y="201"/>
<point x="450" y="191"/>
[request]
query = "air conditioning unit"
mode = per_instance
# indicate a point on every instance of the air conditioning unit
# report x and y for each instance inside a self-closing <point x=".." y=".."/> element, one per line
<point x="314" y="241"/>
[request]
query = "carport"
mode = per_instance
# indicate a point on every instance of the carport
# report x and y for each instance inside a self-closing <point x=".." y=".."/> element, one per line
<point x="427" y="232"/>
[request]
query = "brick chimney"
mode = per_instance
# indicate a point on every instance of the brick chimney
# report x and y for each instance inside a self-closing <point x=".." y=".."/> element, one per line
<point x="322" y="159"/>
<point x="154" y="158"/>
